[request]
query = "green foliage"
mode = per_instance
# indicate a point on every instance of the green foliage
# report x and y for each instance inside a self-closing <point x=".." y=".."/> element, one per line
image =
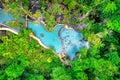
<point x="110" y="8"/>
<point x="59" y="73"/>
<point x="17" y="5"/>
<point x="56" y="9"/>
<point x="22" y="58"/>
<point x="19" y="53"/>
<point x="14" y="70"/>
<point x="37" y="14"/>
<point x="13" y="5"/>
<point x="113" y="57"/>
<point x="50" y="21"/>
<point x="71" y="4"/>
<point x="113" y="25"/>
<point x="34" y="77"/>
<point x="16" y="23"/>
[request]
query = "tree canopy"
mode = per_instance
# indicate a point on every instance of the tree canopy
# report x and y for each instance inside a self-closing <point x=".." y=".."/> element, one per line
<point x="22" y="58"/>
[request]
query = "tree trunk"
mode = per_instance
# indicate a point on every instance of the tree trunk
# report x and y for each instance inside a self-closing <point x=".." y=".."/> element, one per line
<point x="26" y="21"/>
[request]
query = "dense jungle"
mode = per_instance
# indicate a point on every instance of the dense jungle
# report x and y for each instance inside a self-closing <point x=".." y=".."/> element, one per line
<point x="23" y="58"/>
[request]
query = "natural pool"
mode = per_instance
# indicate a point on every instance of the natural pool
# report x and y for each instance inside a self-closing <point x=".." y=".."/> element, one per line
<point x="61" y="39"/>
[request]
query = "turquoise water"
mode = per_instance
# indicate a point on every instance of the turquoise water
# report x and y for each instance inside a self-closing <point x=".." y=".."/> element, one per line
<point x="72" y="42"/>
<point x="60" y="39"/>
<point x="50" y="39"/>
<point x="4" y="17"/>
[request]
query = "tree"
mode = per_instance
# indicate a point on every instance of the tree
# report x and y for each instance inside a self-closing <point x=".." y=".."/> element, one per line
<point x="23" y="58"/>
<point x="59" y="73"/>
